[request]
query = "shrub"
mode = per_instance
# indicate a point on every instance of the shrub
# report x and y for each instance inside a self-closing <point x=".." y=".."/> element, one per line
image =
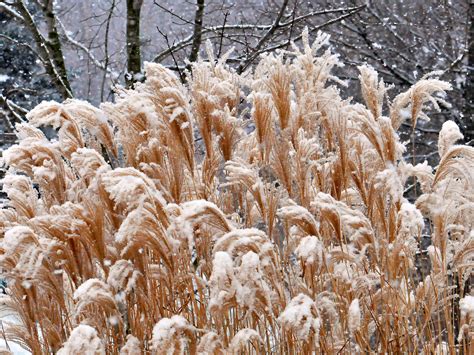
<point x="255" y="213"/>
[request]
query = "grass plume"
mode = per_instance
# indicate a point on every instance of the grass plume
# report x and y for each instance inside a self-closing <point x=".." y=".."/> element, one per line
<point x="254" y="213"/>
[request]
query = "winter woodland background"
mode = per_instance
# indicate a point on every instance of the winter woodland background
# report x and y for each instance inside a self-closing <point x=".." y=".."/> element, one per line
<point x="339" y="248"/>
<point x="401" y="39"/>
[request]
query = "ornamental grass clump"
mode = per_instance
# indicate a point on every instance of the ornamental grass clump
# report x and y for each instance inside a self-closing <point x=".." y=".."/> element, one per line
<point x="254" y="213"/>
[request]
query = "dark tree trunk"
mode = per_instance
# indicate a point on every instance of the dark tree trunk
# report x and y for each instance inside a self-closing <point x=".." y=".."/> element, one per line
<point x="133" y="40"/>
<point x="49" y="50"/>
<point x="469" y="86"/>
<point x="197" y="31"/>
<point x="54" y="43"/>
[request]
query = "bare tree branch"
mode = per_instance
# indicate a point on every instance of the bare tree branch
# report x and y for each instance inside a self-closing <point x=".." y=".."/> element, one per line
<point x="224" y="30"/>
<point x="43" y="50"/>
<point x="17" y="112"/>
<point x="320" y="12"/>
<point x="222" y="35"/>
<point x="106" y="49"/>
<point x="178" y="68"/>
<point x="314" y="29"/>
<point x="265" y="37"/>
<point x="175" y="47"/>
<point x="468" y="109"/>
<point x="82" y="47"/>
<point x="8" y="8"/>
<point x="23" y="44"/>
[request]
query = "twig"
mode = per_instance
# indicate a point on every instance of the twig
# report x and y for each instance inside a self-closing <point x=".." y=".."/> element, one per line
<point x="13" y="108"/>
<point x="11" y="11"/>
<point x="165" y="36"/>
<point x="222" y="34"/>
<point x="292" y="23"/>
<point x="221" y="30"/>
<point x="265" y="37"/>
<point x="18" y="43"/>
<point x="82" y="47"/>
<point x="106" y="49"/>
<point x="314" y="29"/>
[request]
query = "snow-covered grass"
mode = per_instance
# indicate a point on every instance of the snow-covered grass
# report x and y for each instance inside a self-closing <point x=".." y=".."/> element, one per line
<point x="8" y="318"/>
<point x="14" y="348"/>
<point x="294" y="237"/>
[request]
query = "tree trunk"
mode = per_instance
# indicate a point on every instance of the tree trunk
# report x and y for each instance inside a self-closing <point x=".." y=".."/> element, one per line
<point x="133" y="40"/>
<point x="50" y="58"/>
<point x="469" y="86"/>
<point x="54" y="43"/>
<point x="197" y="31"/>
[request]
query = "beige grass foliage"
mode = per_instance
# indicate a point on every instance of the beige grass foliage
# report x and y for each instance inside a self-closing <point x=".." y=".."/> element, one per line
<point x="165" y="223"/>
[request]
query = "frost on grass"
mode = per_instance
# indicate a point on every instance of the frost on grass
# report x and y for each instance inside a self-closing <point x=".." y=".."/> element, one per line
<point x="301" y="316"/>
<point x="466" y="305"/>
<point x="83" y="340"/>
<point x="254" y="213"/>
<point x="354" y="316"/>
<point x="173" y="335"/>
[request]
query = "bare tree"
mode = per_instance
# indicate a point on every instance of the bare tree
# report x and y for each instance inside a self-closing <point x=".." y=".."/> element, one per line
<point x="394" y="37"/>
<point x="252" y="38"/>
<point x="53" y="42"/>
<point x="404" y="41"/>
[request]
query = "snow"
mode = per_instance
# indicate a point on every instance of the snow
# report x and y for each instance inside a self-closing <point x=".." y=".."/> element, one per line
<point x="311" y="251"/>
<point x="129" y="226"/>
<point x="165" y="333"/>
<point x="7" y="318"/>
<point x="132" y="346"/>
<point x="466" y="305"/>
<point x="221" y="280"/>
<point x="405" y="113"/>
<point x="14" y="237"/>
<point x="129" y="186"/>
<point x="122" y="276"/>
<point x="442" y="348"/>
<point x="250" y="281"/>
<point x="86" y="161"/>
<point x="176" y="112"/>
<point x="83" y="340"/>
<point x="412" y="222"/>
<point x="354" y="316"/>
<point x="198" y="211"/>
<point x="299" y="315"/>
<point x="389" y="181"/>
<point x="91" y="291"/>
<point x="240" y="238"/>
<point x="3" y="78"/>
<point x="242" y="338"/>
<point x="15" y="349"/>
<point x="448" y="135"/>
<point x="209" y="344"/>
<point x="44" y="173"/>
